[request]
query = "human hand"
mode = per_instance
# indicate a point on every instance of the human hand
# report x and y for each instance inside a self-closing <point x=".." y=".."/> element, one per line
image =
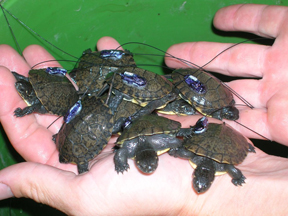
<point x="268" y="94"/>
<point x="102" y="190"/>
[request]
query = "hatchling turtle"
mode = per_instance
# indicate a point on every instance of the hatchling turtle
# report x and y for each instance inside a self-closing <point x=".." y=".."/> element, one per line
<point x="214" y="152"/>
<point x="148" y="136"/>
<point x="149" y="90"/>
<point x="45" y="93"/>
<point x="96" y="66"/>
<point x="85" y="136"/>
<point x="205" y="93"/>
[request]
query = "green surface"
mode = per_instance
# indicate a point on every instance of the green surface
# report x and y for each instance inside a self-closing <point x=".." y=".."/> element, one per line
<point x="76" y="25"/>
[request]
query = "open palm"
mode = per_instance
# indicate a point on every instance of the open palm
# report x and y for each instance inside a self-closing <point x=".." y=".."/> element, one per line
<point x="168" y="190"/>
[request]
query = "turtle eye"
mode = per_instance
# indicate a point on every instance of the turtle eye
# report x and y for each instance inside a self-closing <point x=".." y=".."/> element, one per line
<point x="195" y="84"/>
<point x="56" y="71"/>
<point x="133" y="79"/>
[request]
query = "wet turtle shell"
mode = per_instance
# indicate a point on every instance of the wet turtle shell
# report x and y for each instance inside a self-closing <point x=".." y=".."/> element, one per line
<point x="213" y="99"/>
<point x="55" y="93"/>
<point x="94" y="68"/>
<point x="156" y="87"/>
<point x="220" y="143"/>
<point x="86" y="135"/>
<point x="149" y="125"/>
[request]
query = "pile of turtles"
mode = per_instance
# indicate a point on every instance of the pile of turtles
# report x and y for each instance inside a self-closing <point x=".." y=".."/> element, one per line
<point x="113" y="96"/>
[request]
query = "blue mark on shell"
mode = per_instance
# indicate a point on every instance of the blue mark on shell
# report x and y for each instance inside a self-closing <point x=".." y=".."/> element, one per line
<point x="133" y="79"/>
<point x="112" y="54"/>
<point x="56" y="71"/>
<point x="73" y="111"/>
<point x="201" y="125"/>
<point x="195" y="84"/>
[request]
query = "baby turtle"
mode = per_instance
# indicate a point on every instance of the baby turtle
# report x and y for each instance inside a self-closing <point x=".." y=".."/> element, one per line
<point x="96" y="66"/>
<point x="45" y="93"/>
<point x="144" y="139"/>
<point x="85" y="136"/>
<point x="214" y="152"/>
<point x="205" y="93"/>
<point x="149" y="90"/>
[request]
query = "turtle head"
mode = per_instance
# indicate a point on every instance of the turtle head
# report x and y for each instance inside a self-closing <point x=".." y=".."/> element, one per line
<point x="26" y="91"/>
<point x="203" y="176"/>
<point x="230" y="113"/>
<point x="146" y="160"/>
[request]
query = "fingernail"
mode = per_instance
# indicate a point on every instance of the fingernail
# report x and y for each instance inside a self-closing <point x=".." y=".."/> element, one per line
<point x="5" y="192"/>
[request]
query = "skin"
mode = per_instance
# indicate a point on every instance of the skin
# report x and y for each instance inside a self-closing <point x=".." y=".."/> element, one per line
<point x="168" y="191"/>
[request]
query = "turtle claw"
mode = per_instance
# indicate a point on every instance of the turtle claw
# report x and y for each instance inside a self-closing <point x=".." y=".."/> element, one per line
<point x="173" y="152"/>
<point x="239" y="181"/>
<point x="18" y="112"/>
<point x="121" y="168"/>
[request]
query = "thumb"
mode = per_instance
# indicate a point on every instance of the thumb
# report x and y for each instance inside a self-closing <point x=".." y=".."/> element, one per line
<point x="42" y="183"/>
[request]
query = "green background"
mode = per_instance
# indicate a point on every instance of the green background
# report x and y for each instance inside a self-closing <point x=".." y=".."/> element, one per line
<point x="75" y="25"/>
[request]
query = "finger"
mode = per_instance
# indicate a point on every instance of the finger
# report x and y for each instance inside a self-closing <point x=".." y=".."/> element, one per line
<point x="11" y="59"/>
<point x="106" y="43"/>
<point x="37" y="57"/>
<point x="263" y="20"/>
<point x="30" y="139"/>
<point x="245" y="60"/>
<point x="44" y="184"/>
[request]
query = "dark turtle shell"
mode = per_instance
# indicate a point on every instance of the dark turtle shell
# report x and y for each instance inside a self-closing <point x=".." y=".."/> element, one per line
<point x="56" y="93"/>
<point x="149" y="125"/>
<point x="156" y="86"/>
<point x="220" y="143"/>
<point x="214" y="97"/>
<point x="86" y="135"/>
<point x="92" y="67"/>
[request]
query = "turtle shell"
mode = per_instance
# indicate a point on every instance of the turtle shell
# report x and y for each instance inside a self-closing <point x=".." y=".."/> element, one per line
<point x="156" y="86"/>
<point x="93" y="68"/>
<point x="220" y="143"/>
<point x="87" y="134"/>
<point x="149" y="125"/>
<point x="56" y="93"/>
<point x="215" y="97"/>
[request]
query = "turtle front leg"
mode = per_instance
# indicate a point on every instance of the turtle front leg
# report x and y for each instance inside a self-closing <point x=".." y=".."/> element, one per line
<point x="121" y="160"/>
<point x="39" y="108"/>
<point x="237" y="177"/>
<point x="181" y="152"/>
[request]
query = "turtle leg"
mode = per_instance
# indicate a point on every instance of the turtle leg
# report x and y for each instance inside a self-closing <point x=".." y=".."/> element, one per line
<point x="237" y="177"/>
<point x="153" y="105"/>
<point x="39" y="108"/>
<point x="146" y="157"/>
<point x="113" y="104"/>
<point x="82" y="167"/>
<point x="121" y="160"/>
<point x="181" y="152"/>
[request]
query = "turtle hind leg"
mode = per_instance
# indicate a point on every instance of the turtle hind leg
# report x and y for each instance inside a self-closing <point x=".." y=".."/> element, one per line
<point x="237" y="177"/>
<point x="251" y="148"/>
<point x="146" y="158"/>
<point x="82" y="167"/>
<point x="121" y="160"/>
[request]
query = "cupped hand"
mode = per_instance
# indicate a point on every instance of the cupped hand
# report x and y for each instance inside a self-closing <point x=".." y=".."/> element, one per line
<point x="268" y="64"/>
<point x="102" y="191"/>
